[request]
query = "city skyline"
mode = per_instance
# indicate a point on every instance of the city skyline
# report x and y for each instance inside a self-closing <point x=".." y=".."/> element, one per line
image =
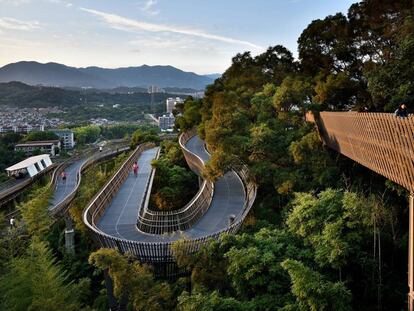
<point x="195" y="36"/>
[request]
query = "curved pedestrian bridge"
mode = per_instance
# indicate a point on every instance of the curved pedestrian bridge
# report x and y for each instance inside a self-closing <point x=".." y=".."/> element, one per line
<point x="116" y="215"/>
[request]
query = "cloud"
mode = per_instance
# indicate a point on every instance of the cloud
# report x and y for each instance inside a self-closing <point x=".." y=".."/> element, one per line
<point x="21" y="2"/>
<point x="149" y="7"/>
<point x="126" y="24"/>
<point x="15" y="2"/>
<point x="15" y="24"/>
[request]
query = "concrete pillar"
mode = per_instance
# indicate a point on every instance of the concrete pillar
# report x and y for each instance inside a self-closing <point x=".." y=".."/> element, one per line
<point x="411" y="253"/>
<point x="70" y="241"/>
<point x="69" y="236"/>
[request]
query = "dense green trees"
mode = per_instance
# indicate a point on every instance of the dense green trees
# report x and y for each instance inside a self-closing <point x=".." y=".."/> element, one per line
<point x="87" y="134"/>
<point x="35" y="136"/>
<point x="327" y="239"/>
<point x="174" y="183"/>
<point x="118" y="131"/>
<point x="35" y="282"/>
<point x="324" y="234"/>
<point x="189" y="114"/>
<point x="134" y="281"/>
<point x="8" y="156"/>
<point x="142" y="136"/>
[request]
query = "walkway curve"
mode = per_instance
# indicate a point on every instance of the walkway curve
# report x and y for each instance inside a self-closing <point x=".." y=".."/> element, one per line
<point x="112" y="215"/>
<point x="64" y="192"/>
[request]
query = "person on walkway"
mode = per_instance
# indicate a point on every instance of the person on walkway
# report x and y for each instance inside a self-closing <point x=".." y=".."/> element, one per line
<point x="401" y="111"/>
<point x="63" y="174"/>
<point x="12" y="223"/>
<point x="135" y="168"/>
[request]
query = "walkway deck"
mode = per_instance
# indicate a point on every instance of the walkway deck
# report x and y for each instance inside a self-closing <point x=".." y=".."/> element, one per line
<point x="63" y="189"/>
<point x="119" y="219"/>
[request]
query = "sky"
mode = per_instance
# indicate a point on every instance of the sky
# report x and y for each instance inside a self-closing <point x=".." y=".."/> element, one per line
<point x="194" y="35"/>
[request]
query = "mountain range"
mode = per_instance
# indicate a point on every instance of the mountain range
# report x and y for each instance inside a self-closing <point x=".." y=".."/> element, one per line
<point x="58" y="75"/>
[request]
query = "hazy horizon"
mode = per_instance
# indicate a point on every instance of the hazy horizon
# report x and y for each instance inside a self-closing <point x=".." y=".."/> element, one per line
<point x="194" y="36"/>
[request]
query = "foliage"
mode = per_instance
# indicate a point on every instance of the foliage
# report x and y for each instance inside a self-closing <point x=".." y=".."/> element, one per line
<point x="140" y="136"/>
<point x="133" y="280"/>
<point x="86" y="134"/>
<point x="35" y="212"/>
<point x="189" y="114"/>
<point x="174" y="183"/>
<point x="313" y="292"/>
<point x="36" y="136"/>
<point x="8" y="156"/>
<point x="35" y="282"/>
<point x="208" y="302"/>
<point x="121" y="130"/>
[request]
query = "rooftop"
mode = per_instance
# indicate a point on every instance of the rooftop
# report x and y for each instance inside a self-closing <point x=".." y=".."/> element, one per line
<point x="38" y="143"/>
<point x="26" y="163"/>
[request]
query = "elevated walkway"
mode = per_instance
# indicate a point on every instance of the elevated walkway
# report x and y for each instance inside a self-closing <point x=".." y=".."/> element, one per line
<point x="112" y="216"/>
<point x="120" y="217"/>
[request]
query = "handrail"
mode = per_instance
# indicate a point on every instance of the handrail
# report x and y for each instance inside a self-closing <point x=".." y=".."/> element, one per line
<point x="160" y="251"/>
<point x="59" y="207"/>
<point x="161" y="222"/>
<point x="110" y="188"/>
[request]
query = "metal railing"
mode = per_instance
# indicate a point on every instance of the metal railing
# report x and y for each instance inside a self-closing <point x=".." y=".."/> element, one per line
<point x="98" y="157"/>
<point x="161" y="222"/>
<point x="155" y="251"/>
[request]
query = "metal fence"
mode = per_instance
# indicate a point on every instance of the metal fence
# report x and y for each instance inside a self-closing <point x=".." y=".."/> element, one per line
<point x="98" y="157"/>
<point x="161" y="251"/>
<point x="160" y="222"/>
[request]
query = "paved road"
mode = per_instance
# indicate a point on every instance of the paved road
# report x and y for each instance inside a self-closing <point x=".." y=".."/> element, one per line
<point x="119" y="219"/>
<point x="63" y="189"/>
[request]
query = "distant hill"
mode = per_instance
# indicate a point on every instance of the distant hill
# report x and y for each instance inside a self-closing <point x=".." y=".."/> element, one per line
<point x="213" y="76"/>
<point x="58" y="75"/>
<point x="22" y="95"/>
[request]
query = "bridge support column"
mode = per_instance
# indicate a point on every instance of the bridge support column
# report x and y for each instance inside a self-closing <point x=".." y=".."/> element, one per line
<point x="411" y="253"/>
<point x="69" y="236"/>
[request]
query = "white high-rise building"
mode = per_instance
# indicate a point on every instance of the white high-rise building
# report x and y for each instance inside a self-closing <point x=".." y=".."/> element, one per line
<point x="170" y="104"/>
<point x="67" y="138"/>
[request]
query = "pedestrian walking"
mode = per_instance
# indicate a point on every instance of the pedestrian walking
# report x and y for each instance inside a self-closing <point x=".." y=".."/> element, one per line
<point x="135" y="168"/>
<point x="12" y="223"/>
<point x="63" y="174"/>
<point x="401" y="111"/>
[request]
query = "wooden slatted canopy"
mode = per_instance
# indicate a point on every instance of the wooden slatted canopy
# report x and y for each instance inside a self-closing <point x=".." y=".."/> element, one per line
<point x="379" y="141"/>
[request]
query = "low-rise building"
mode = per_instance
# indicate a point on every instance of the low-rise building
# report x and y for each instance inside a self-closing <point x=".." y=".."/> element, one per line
<point x="31" y="166"/>
<point x="47" y="146"/>
<point x="166" y="123"/>
<point x="67" y="137"/>
<point x="25" y="128"/>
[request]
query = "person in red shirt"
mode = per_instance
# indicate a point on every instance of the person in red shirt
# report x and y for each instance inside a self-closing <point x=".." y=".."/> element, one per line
<point x="135" y="168"/>
<point x="63" y="174"/>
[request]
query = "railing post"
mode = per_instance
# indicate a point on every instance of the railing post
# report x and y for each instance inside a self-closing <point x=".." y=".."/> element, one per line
<point x="411" y="253"/>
